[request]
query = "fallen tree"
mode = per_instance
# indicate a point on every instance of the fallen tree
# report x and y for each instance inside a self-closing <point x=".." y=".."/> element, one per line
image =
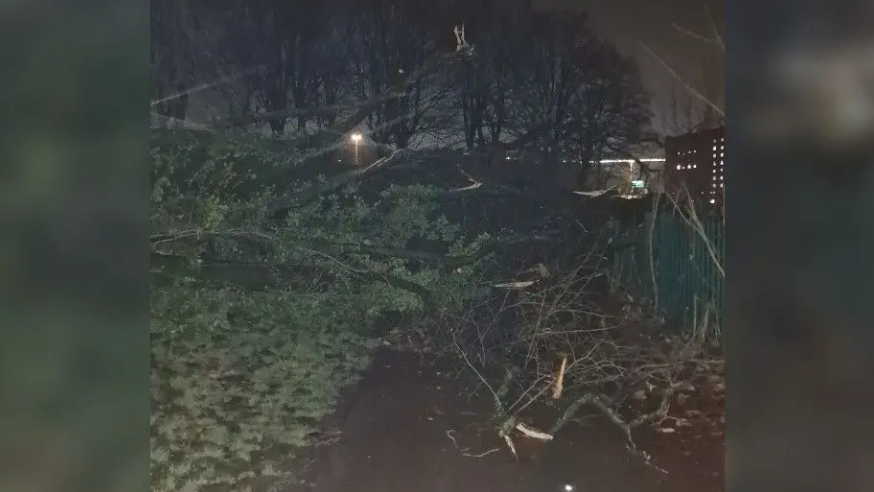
<point x="574" y="340"/>
<point x="257" y="323"/>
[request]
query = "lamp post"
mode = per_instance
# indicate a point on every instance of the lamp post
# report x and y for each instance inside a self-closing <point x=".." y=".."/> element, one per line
<point x="356" y="142"/>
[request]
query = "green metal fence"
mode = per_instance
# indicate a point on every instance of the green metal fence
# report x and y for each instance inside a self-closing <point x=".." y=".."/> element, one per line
<point x="673" y="266"/>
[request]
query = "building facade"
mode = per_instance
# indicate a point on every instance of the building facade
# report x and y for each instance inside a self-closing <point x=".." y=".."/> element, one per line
<point x="696" y="161"/>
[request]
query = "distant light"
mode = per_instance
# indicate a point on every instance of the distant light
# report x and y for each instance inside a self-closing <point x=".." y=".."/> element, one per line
<point x="356" y="137"/>
<point x="712" y="201"/>
<point x="628" y="161"/>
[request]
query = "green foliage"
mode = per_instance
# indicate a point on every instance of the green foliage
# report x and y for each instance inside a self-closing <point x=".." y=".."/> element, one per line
<point x="241" y="376"/>
<point x="229" y="397"/>
<point x="354" y="235"/>
<point x="216" y="185"/>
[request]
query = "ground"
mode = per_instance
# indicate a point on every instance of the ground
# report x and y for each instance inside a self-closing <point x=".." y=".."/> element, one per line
<point x="408" y="426"/>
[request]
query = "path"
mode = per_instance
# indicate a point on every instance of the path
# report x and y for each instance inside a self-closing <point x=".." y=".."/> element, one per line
<point x="399" y="423"/>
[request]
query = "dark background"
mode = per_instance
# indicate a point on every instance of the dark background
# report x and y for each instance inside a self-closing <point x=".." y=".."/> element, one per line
<point x="631" y="23"/>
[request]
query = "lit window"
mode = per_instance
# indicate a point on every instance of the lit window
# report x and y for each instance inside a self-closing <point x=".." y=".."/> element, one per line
<point x="694" y="166"/>
<point x="714" y="148"/>
<point x="679" y="166"/>
<point x="712" y="201"/>
<point x="722" y="185"/>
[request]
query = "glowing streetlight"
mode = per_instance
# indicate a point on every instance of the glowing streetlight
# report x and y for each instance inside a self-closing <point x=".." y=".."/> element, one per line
<point x="356" y="141"/>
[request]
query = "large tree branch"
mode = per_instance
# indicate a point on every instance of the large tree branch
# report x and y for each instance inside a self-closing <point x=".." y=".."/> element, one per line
<point x="338" y="181"/>
<point x="260" y="276"/>
<point x="310" y="246"/>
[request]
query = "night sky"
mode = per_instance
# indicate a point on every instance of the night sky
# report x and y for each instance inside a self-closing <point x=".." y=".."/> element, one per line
<point x="627" y="23"/>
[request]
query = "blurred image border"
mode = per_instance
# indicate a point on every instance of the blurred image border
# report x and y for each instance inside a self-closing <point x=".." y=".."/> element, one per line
<point x="73" y="272"/>
<point x="798" y="330"/>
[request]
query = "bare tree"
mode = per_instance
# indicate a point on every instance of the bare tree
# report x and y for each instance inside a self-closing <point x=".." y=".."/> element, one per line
<point x="581" y="94"/>
<point x="333" y="72"/>
<point x="268" y="59"/>
<point x="389" y="40"/>
<point x="170" y="57"/>
<point x="483" y="81"/>
<point x="571" y="96"/>
<point x="289" y="42"/>
<point x="544" y="82"/>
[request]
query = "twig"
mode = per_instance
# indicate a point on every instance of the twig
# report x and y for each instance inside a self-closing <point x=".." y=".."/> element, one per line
<point x="536" y="434"/>
<point x="690" y="216"/>
<point x="650" y="233"/>
<point x="559" y="382"/>
<point x="610" y="414"/>
<point x="480" y="376"/>
<point x="510" y="445"/>
<point x="333" y="260"/>
<point x="167" y="237"/>
<point x="719" y="40"/>
<point x="695" y="35"/>
<point x="464" y="451"/>
<point x="513" y="408"/>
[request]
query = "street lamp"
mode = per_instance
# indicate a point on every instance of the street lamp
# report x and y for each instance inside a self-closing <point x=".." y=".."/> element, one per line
<point x="356" y="141"/>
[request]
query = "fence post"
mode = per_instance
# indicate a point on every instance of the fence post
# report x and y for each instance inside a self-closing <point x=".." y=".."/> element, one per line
<point x="650" y="262"/>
